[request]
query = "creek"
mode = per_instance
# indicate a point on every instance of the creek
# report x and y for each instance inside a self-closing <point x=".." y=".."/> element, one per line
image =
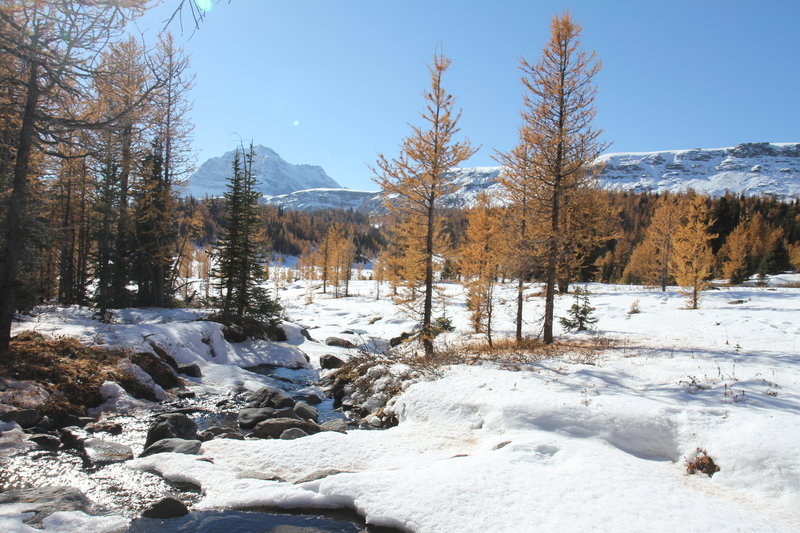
<point x="128" y="492"/>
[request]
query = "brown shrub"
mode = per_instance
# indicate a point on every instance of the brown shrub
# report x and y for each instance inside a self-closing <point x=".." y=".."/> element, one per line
<point x="702" y="463"/>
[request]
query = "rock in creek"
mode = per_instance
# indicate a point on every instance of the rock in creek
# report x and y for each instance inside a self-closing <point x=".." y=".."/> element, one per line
<point x="171" y="426"/>
<point x="26" y="418"/>
<point x="250" y="416"/>
<point x="293" y="433"/>
<point x="44" y="501"/>
<point x="100" y="451"/>
<point x="272" y="429"/>
<point x="305" y="411"/>
<point x="166" y="508"/>
<point x="337" y="424"/>
<point x="189" y="447"/>
<point x="270" y="397"/>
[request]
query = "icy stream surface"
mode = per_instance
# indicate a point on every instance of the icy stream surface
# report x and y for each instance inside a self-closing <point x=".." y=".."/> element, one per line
<point x="127" y="491"/>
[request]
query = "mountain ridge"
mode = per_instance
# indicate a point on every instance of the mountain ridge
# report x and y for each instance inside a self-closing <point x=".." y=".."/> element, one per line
<point x="748" y="168"/>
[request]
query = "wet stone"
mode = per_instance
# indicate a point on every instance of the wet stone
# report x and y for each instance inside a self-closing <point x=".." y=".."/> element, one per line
<point x="166" y="508"/>
<point x="293" y="433"/>
<point x="190" y="447"/>
<point x="100" y="451"/>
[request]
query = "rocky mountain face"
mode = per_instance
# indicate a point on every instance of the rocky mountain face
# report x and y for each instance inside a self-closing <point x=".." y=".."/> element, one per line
<point x="752" y="169"/>
<point x="275" y="176"/>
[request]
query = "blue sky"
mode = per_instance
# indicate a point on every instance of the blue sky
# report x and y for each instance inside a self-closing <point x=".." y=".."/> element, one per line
<point x="333" y="83"/>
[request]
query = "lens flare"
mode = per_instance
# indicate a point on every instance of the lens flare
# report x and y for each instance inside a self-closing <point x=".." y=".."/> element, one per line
<point x="203" y="5"/>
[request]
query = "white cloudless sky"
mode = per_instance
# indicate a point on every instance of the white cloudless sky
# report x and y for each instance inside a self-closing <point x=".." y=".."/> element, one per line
<point x="333" y="83"/>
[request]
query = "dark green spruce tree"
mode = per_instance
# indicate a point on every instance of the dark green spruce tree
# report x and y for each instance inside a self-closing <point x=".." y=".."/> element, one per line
<point x="154" y="233"/>
<point x="241" y="256"/>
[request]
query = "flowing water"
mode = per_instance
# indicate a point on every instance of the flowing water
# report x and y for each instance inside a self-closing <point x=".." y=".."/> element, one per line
<point x="128" y="491"/>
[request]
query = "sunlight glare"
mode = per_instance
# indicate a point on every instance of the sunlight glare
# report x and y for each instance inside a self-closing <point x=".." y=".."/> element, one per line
<point x="203" y="5"/>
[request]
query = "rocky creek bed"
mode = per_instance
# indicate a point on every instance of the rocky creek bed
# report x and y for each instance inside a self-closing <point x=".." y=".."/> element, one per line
<point x="79" y="463"/>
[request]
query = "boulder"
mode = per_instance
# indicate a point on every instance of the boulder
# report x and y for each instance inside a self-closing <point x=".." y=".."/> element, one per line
<point x="234" y="334"/>
<point x="100" y="451"/>
<point x="189" y="447"/>
<point x="338" y="341"/>
<point x="308" y="397"/>
<point x="293" y="433"/>
<point x="277" y="334"/>
<point x="272" y="429"/>
<point x="192" y="370"/>
<point x="166" y="508"/>
<point x="304" y="332"/>
<point x="286" y="412"/>
<point x="305" y="411"/>
<point x="270" y="397"/>
<point x="163" y="355"/>
<point x="329" y="361"/>
<point x="26" y="418"/>
<point x="161" y="372"/>
<point x="337" y="424"/>
<point x="184" y="394"/>
<point x="250" y="416"/>
<point x="171" y="426"/>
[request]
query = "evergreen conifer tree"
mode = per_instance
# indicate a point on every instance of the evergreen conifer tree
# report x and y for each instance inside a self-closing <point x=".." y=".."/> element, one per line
<point x="240" y="263"/>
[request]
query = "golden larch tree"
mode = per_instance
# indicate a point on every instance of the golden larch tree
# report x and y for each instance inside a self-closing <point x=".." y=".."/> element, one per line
<point x="561" y="143"/>
<point x="414" y="183"/>
<point x="480" y="259"/>
<point x="735" y="251"/>
<point x="692" y="259"/>
<point x="650" y="262"/>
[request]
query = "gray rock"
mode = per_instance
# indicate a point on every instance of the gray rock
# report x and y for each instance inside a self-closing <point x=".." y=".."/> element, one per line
<point x="233" y="334"/>
<point x="309" y="398"/>
<point x="189" y="447"/>
<point x="338" y="341"/>
<point x="26" y="418"/>
<point x="192" y="370"/>
<point x="45" y="441"/>
<point x="293" y="433"/>
<point x="171" y="426"/>
<point x="272" y="429"/>
<point x="73" y="437"/>
<point x="250" y="416"/>
<point x="166" y="508"/>
<point x="270" y="397"/>
<point x="100" y="451"/>
<point x="305" y="411"/>
<point x="320" y="474"/>
<point x="44" y="501"/>
<point x="329" y="361"/>
<point x="337" y="424"/>
<point x="112" y="428"/>
<point x="304" y="332"/>
<point x="287" y="412"/>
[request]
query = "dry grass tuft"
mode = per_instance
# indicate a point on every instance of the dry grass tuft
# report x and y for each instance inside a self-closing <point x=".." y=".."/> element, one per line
<point x="702" y="463"/>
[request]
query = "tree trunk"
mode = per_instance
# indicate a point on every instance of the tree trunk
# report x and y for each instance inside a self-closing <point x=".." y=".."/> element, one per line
<point x="520" y="300"/>
<point x="17" y="230"/>
<point x="427" y="311"/>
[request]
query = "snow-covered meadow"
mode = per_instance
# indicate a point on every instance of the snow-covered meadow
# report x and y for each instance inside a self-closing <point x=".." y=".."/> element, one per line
<point x="572" y="443"/>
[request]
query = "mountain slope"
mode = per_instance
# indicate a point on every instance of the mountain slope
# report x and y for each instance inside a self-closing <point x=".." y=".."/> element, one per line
<point x="275" y="176"/>
<point x="752" y="169"/>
